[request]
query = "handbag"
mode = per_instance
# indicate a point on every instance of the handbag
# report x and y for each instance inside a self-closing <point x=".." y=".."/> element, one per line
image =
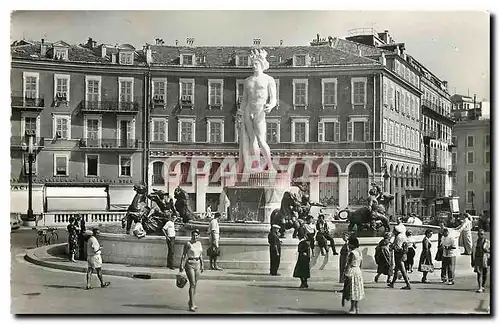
<point x="427" y="268"/>
<point x="439" y="254"/>
<point x="180" y="280"/>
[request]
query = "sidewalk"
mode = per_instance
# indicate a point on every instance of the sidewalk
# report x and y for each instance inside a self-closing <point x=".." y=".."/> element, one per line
<point x="52" y="257"/>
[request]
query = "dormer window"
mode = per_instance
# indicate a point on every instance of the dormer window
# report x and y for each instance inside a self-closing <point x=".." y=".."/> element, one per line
<point x="242" y="60"/>
<point x="187" y="59"/>
<point x="126" y="58"/>
<point x="60" y="53"/>
<point x="300" y="60"/>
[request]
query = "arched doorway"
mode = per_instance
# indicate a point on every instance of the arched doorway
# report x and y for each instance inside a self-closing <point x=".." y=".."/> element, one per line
<point x="358" y="185"/>
<point x="329" y="184"/>
<point x="215" y="176"/>
<point x="158" y="173"/>
<point x="186" y="174"/>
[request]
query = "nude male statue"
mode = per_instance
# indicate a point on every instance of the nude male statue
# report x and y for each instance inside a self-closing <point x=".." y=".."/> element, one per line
<point x="257" y="89"/>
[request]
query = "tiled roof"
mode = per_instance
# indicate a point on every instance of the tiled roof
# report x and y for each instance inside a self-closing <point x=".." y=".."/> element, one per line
<point x="353" y="47"/>
<point x="225" y="55"/>
<point x="221" y="56"/>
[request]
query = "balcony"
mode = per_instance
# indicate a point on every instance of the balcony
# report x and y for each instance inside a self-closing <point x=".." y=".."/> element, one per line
<point x="110" y="106"/>
<point x="19" y="101"/>
<point x="113" y="143"/>
<point x="22" y="142"/>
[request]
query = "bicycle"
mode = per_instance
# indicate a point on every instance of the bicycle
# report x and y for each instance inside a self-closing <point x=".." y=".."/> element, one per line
<point x="47" y="236"/>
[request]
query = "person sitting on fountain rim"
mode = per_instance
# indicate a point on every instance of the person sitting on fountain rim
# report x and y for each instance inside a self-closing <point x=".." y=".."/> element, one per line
<point x="323" y="235"/>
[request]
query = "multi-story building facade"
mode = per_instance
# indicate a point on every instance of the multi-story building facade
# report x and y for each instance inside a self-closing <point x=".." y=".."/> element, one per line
<point x="465" y="108"/>
<point x="84" y="103"/>
<point x="471" y="159"/>
<point x="433" y="123"/>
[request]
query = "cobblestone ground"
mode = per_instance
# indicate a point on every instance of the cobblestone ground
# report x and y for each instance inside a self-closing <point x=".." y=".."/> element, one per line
<point x="40" y="290"/>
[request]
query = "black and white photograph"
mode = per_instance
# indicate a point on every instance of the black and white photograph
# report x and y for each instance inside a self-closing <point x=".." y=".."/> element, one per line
<point x="294" y="162"/>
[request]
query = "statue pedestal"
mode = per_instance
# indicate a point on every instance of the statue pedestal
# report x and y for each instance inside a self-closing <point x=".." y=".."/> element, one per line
<point x="253" y="197"/>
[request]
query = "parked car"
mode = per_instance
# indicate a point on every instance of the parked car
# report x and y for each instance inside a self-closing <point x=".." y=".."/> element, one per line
<point x="15" y="221"/>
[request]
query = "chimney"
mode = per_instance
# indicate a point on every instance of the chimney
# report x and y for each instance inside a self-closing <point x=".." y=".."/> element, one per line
<point x="176" y="42"/>
<point x="103" y="51"/>
<point x="90" y="43"/>
<point x="281" y="42"/>
<point x="445" y="84"/>
<point x="43" y="49"/>
<point x="190" y="41"/>
<point x="113" y="58"/>
<point x="317" y="37"/>
<point x="256" y="41"/>
<point x="382" y="59"/>
<point x="149" y="55"/>
<point x="330" y="41"/>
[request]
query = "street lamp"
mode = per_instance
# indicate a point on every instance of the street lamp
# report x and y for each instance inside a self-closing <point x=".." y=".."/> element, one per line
<point x="30" y="134"/>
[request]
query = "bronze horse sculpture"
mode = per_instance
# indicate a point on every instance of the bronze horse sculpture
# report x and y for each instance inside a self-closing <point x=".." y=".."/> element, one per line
<point x="375" y="211"/>
<point x="287" y="215"/>
<point x="182" y="205"/>
<point x="137" y="209"/>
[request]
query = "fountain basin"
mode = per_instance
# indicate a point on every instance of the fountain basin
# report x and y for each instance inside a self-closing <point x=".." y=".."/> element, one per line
<point x="250" y="253"/>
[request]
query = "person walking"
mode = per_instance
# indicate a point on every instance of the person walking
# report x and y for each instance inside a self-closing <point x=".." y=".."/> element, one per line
<point x="425" y="262"/>
<point x="209" y="212"/>
<point x="344" y="252"/>
<point x="81" y="239"/>
<point x="323" y="235"/>
<point x="214" y="231"/>
<point x="274" y="250"/>
<point x="94" y="259"/>
<point x="384" y="259"/>
<point x="480" y="259"/>
<point x="302" y="268"/>
<point x="412" y="247"/>
<point x="449" y="246"/>
<point x="192" y="262"/>
<point x="353" y="285"/>
<point x="439" y="253"/>
<point x="465" y="238"/>
<point x="400" y="249"/>
<point x="72" y="238"/>
<point x="169" y="232"/>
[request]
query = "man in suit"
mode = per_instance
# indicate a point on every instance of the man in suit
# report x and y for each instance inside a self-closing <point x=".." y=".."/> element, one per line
<point x="274" y="249"/>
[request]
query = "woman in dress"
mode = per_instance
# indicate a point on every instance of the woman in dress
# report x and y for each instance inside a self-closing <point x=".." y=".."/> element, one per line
<point x="384" y="259"/>
<point x="344" y="252"/>
<point x="72" y="238"/>
<point x="302" y="269"/>
<point x="353" y="284"/>
<point x="425" y="261"/>
<point x="192" y="261"/>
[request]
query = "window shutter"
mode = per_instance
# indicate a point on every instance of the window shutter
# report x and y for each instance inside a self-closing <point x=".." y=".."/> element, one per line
<point x="367" y="130"/>
<point x="349" y="131"/>
<point x="336" y="130"/>
<point x="321" y="132"/>
<point x="27" y="166"/>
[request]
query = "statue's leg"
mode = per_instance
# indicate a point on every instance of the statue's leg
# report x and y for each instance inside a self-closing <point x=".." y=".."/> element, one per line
<point x="260" y="125"/>
<point x="253" y="146"/>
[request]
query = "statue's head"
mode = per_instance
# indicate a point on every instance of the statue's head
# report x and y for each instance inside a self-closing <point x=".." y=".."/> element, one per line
<point x="305" y="199"/>
<point x="372" y="192"/>
<point x="139" y="188"/>
<point x="258" y="59"/>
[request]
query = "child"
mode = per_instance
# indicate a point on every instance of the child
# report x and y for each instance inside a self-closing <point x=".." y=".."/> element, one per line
<point x="383" y="257"/>
<point x="353" y="284"/>
<point x="411" y="251"/>
<point x="344" y="252"/>
<point x="302" y="269"/>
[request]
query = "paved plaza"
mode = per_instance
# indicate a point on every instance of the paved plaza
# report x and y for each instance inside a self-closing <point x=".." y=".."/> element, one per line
<point x="41" y="290"/>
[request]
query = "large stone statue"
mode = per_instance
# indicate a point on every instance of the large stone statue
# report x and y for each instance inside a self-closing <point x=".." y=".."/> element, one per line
<point x="366" y="217"/>
<point x="259" y="98"/>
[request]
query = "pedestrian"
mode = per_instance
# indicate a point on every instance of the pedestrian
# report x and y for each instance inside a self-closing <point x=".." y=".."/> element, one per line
<point x="449" y="245"/>
<point x="81" y="239"/>
<point x="209" y="212"/>
<point x="344" y="252"/>
<point x="192" y="261"/>
<point x="465" y="238"/>
<point x="384" y="259"/>
<point x="274" y="250"/>
<point x="323" y="235"/>
<point x="72" y="238"/>
<point x="310" y="232"/>
<point x="412" y="247"/>
<point x="439" y="253"/>
<point x="94" y="259"/>
<point x="425" y="262"/>
<point x="214" y="231"/>
<point x="400" y="249"/>
<point x="169" y="232"/>
<point x="302" y="268"/>
<point x="353" y="285"/>
<point x="480" y="259"/>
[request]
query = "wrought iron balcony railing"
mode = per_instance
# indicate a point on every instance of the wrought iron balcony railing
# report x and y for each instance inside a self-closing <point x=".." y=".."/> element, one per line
<point x="20" y="101"/>
<point x="110" y="143"/>
<point x="23" y="141"/>
<point x="110" y="106"/>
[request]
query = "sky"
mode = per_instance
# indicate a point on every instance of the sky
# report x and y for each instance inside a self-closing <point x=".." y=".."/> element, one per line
<point x="454" y="45"/>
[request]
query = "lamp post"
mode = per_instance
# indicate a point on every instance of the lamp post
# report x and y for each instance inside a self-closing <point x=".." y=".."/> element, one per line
<point x="31" y="136"/>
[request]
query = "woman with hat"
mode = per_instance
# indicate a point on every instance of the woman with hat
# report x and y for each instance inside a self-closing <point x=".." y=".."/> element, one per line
<point x="192" y="261"/>
<point x="425" y="261"/>
<point x="302" y="268"/>
<point x="400" y="248"/>
<point x="274" y="250"/>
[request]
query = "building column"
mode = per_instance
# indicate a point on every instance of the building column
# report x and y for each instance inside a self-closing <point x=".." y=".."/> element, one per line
<point x="201" y="192"/>
<point x="150" y="176"/>
<point x="343" y="190"/>
<point x="314" y="187"/>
